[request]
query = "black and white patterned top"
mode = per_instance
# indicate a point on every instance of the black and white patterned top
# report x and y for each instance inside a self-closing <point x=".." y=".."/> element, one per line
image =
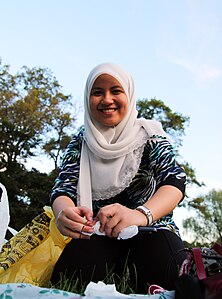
<point x="158" y="167"/>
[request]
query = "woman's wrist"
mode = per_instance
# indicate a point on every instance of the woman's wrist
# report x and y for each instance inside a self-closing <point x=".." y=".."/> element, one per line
<point x="57" y="216"/>
<point x="146" y="212"/>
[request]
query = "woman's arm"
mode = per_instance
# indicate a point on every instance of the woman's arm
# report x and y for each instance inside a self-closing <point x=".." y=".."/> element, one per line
<point x="170" y="181"/>
<point x="66" y="182"/>
<point x="164" y="201"/>
<point x="165" y="167"/>
<point x="115" y="217"/>
<point x="61" y="203"/>
<point x="70" y="220"/>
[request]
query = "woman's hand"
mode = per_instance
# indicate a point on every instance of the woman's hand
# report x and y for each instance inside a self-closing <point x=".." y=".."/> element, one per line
<point x="115" y="217"/>
<point x="75" y="221"/>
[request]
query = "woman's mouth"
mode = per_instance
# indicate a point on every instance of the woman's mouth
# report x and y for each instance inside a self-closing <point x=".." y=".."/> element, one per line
<point x="108" y="110"/>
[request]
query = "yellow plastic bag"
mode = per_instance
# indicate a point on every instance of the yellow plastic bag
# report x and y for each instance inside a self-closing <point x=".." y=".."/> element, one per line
<point x="31" y="254"/>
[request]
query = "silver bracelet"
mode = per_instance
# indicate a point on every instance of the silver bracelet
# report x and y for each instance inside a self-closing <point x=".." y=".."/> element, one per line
<point x="147" y="212"/>
<point x="57" y="217"/>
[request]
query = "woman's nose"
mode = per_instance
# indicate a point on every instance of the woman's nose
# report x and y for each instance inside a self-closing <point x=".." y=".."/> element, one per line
<point x="107" y="98"/>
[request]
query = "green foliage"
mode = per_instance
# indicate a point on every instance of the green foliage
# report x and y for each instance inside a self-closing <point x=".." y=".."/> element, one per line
<point x="55" y="146"/>
<point x="191" y="176"/>
<point x="33" y="110"/>
<point x="35" y="117"/>
<point x="70" y="285"/>
<point x="206" y="226"/>
<point x="28" y="193"/>
<point x="77" y="285"/>
<point x="173" y="123"/>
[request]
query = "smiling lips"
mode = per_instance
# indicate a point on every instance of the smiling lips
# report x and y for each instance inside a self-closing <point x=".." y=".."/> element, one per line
<point x="107" y="110"/>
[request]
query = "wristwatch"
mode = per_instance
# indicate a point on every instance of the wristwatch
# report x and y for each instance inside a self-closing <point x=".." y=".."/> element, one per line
<point x="147" y="212"/>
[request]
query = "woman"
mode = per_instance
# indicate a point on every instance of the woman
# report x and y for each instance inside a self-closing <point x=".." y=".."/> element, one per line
<point x="121" y="171"/>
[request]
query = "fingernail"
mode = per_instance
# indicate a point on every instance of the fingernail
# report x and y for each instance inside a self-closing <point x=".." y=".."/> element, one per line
<point x="89" y="223"/>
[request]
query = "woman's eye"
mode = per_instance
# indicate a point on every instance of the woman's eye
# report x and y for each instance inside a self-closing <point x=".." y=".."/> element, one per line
<point x="96" y="93"/>
<point x="117" y="91"/>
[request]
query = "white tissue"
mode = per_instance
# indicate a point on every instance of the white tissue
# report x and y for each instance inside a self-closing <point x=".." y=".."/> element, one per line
<point x="126" y="233"/>
<point x="100" y="289"/>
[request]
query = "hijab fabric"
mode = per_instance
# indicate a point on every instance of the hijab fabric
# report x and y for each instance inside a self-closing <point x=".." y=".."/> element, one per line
<point x="110" y="156"/>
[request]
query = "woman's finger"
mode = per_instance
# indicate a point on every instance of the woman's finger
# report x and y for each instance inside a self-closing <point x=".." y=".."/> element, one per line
<point x="115" y="218"/>
<point x="105" y="214"/>
<point x="64" y="223"/>
<point x="111" y="227"/>
<point x="79" y="214"/>
<point x="82" y="232"/>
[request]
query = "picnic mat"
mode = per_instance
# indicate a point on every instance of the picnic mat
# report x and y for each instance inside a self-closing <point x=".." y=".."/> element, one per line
<point x="29" y="291"/>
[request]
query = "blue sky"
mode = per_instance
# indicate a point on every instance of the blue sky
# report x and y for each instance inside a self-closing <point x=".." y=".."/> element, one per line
<point x="172" y="48"/>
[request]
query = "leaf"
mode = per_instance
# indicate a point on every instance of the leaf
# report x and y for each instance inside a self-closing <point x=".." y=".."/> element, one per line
<point x="8" y="290"/>
<point x="56" y="291"/>
<point x="44" y="291"/>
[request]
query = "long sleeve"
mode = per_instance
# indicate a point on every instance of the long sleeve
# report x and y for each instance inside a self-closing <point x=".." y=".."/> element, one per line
<point x="165" y="168"/>
<point x="67" y="180"/>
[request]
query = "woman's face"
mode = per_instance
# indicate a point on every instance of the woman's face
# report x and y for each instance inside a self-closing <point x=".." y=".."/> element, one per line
<point x="108" y="101"/>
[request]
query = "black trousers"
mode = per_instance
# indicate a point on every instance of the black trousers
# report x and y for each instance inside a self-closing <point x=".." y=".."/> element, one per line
<point x="151" y="259"/>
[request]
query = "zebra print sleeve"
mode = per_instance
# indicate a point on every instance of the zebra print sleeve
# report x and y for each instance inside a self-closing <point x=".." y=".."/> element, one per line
<point x="166" y="169"/>
<point x="66" y="182"/>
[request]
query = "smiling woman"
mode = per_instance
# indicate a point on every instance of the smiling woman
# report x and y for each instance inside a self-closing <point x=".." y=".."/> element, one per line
<point x="118" y="172"/>
<point x="108" y="101"/>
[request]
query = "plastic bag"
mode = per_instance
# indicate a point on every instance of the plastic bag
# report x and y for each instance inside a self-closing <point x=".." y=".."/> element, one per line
<point x="30" y="256"/>
<point x="4" y="214"/>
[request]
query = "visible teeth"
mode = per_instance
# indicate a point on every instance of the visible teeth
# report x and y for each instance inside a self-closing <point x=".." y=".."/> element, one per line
<point x="109" y="110"/>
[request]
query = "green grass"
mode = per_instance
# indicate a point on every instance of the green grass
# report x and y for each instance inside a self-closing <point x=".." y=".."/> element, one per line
<point x="77" y="286"/>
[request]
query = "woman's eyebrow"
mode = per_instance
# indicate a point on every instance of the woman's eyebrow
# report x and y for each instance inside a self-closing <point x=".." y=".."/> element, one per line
<point x="117" y="86"/>
<point x="97" y="88"/>
<point x="100" y="88"/>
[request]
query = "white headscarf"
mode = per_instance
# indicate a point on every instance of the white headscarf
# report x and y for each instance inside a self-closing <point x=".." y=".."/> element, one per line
<point x="110" y="156"/>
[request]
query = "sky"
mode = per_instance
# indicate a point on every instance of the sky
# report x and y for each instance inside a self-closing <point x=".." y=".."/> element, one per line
<point x="173" y="49"/>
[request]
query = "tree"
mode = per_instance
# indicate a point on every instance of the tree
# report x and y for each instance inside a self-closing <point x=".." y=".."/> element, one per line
<point x="174" y="124"/>
<point x="206" y="224"/>
<point x="34" y="112"/>
<point x="32" y="107"/>
<point x="28" y="193"/>
<point x="56" y="145"/>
